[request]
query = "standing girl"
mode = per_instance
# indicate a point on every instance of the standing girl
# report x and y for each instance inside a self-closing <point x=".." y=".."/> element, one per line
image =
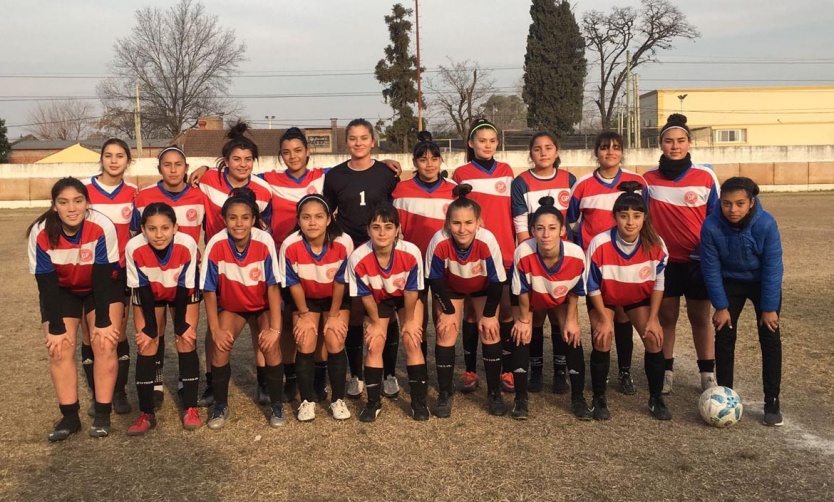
<point x="626" y="268"/>
<point x="681" y="195"/>
<point x="239" y="279"/>
<point x="464" y="261"/>
<point x="161" y="271"/>
<point x="312" y="267"/>
<point x="544" y="179"/>
<point x="72" y="253"/>
<point x="742" y="256"/>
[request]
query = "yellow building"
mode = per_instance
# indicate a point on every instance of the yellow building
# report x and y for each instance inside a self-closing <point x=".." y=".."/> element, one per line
<point x="736" y="116"/>
<point x="72" y="154"/>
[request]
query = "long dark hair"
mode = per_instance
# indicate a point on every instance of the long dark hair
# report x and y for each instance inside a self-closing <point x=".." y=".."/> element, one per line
<point x="121" y="144"/>
<point x="237" y="140"/>
<point x="552" y="137"/>
<point x="50" y="219"/>
<point x="246" y="197"/>
<point x="475" y="127"/>
<point x="333" y="230"/>
<point x="632" y="200"/>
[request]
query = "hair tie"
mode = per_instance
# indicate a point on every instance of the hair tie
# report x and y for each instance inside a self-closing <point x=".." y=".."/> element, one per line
<point x="316" y="197"/>
<point x="666" y="129"/>
<point x="170" y="149"/>
<point x="479" y="126"/>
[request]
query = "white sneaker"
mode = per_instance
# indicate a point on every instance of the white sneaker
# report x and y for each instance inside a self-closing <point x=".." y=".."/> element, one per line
<point x="390" y="387"/>
<point x="355" y="388"/>
<point x="339" y="410"/>
<point x="668" y="380"/>
<point x="708" y="380"/>
<point x="306" y="411"/>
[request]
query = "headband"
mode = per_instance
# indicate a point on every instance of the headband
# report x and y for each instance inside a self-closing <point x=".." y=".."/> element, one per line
<point x="313" y="196"/>
<point x="480" y="126"/>
<point x="662" y="132"/>
<point x="170" y="149"/>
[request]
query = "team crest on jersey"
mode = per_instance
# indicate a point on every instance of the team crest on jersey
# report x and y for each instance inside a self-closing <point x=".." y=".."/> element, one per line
<point x="477" y="269"/>
<point x="399" y="283"/>
<point x="331" y="273"/>
<point x="177" y="277"/>
<point x="645" y="272"/>
<point x="255" y="274"/>
<point x="500" y="187"/>
<point x="311" y="189"/>
<point x="560" y="291"/>
<point x="445" y="208"/>
<point x="126" y="212"/>
<point x="564" y="198"/>
<point x="85" y="255"/>
<point x="690" y="197"/>
<point x="191" y="215"/>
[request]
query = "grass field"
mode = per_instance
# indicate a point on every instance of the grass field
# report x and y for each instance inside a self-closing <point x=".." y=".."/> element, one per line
<point x="471" y="456"/>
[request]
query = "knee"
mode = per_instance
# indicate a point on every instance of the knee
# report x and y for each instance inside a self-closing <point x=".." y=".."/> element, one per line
<point x="333" y="344"/>
<point x="184" y="346"/>
<point x="376" y="346"/>
<point x="151" y="348"/>
<point x="489" y="339"/>
<point x="602" y="345"/>
<point x="652" y="347"/>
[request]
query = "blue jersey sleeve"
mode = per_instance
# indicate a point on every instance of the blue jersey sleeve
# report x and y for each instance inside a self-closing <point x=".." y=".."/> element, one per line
<point x="518" y="189"/>
<point x="594" y="282"/>
<point x="135" y="220"/>
<point x="438" y="268"/>
<point x="211" y="278"/>
<point x="291" y="278"/>
<point x="269" y="274"/>
<point x="43" y="263"/>
<point x="413" y="280"/>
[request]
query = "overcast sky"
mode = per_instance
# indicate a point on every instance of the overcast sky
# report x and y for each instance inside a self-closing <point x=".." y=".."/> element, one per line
<point x="75" y="38"/>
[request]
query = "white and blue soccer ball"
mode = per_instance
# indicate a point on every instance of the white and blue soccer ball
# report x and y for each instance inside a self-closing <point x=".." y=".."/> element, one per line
<point x="720" y="406"/>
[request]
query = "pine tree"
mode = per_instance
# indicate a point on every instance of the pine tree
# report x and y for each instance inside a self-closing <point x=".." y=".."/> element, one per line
<point x="5" y="148"/>
<point x="554" y="68"/>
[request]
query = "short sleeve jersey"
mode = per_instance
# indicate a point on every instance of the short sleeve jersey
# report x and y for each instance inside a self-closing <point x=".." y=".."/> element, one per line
<point x="367" y="277"/>
<point x="116" y="205"/>
<point x="422" y="211"/>
<point x="286" y="192"/>
<point x="548" y="287"/>
<point x="215" y="184"/>
<point x="465" y="272"/>
<point x="316" y="273"/>
<point x="189" y="205"/>
<point x="163" y="275"/>
<point x="527" y="189"/>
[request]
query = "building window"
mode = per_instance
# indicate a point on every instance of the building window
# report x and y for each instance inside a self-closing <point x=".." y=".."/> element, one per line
<point x="731" y="135"/>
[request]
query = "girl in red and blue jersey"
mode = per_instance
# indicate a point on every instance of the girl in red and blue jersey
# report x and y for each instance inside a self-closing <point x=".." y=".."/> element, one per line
<point x="491" y="182"/>
<point x="239" y="278"/>
<point x="589" y="214"/>
<point x="681" y="195"/>
<point x="72" y="253"/>
<point x="464" y="261"/>
<point x="386" y="273"/>
<point x="312" y="265"/>
<point x="625" y="269"/>
<point x="548" y="279"/>
<point x="161" y="272"/>
<point x="545" y="179"/>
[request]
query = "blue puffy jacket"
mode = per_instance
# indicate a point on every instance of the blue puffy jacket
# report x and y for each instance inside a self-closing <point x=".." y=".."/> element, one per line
<point x="749" y="254"/>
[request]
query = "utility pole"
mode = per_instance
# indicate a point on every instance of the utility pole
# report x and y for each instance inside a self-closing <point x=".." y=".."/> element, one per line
<point x="137" y="121"/>
<point x="638" y="127"/>
<point x="628" y="101"/>
<point x="419" y="78"/>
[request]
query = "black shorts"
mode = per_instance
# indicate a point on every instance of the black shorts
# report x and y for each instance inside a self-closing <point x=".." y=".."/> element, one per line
<point x="643" y="303"/>
<point x="460" y="296"/>
<point x="76" y="305"/>
<point x="322" y="305"/>
<point x="196" y="297"/>
<point x="249" y="316"/>
<point x="685" y="279"/>
<point x="388" y="307"/>
<point x="120" y="289"/>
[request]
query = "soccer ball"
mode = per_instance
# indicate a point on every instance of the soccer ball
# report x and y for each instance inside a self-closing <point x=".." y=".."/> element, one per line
<point x="720" y="406"/>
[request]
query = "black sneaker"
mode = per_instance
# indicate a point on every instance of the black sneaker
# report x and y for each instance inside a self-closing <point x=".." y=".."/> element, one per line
<point x="65" y="427"/>
<point x="320" y="388"/>
<point x="627" y="383"/>
<point x="520" y="410"/>
<point x="444" y="405"/>
<point x="580" y="408"/>
<point x="120" y="404"/>
<point x="277" y="418"/>
<point x="772" y="414"/>
<point x="419" y="410"/>
<point x="100" y="427"/>
<point x="207" y="399"/>
<point x="536" y="383"/>
<point x="370" y="411"/>
<point x="158" y="399"/>
<point x="561" y="385"/>
<point x="290" y="390"/>
<point x="495" y="404"/>
<point x="599" y="406"/>
<point x="658" y="409"/>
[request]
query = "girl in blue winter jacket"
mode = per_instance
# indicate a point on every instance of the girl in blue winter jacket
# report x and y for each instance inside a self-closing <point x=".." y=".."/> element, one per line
<point x="741" y="259"/>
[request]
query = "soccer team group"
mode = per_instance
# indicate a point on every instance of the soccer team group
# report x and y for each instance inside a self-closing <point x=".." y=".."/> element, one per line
<point x="331" y="268"/>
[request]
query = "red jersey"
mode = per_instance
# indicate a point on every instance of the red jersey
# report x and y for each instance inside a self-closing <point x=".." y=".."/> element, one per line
<point x="178" y="268"/>
<point x="680" y="206"/>
<point x="286" y="192"/>
<point x="528" y="188"/>
<point x="465" y="272"/>
<point x="548" y="287"/>
<point x="215" y="185"/>
<point x="240" y="279"/>
<point x="403" y="273"/>
<point x="118" y="206"/>
<point x="422" y="210"/>
<point x="314" y="272"/>
<point x="95" y="243"/>
<point x="491" y="190"/>
<point x="189" y="206"/>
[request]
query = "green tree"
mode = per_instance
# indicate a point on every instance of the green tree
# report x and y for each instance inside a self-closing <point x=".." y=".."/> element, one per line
<point x="507" y="112"/>
<point x="5" y="147"/>
<point x="554" y="68"/>
<point x="398" y="73"/>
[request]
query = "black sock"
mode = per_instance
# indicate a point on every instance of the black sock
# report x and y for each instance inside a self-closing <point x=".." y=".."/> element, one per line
<point x="304" y="369"/>
<point x="418" y="377"/>
<point x="424" y="347"/>
<point x="354" y="348"/>
<point x="145" y="373"/>
<point x="391" y="349"/>
<point x="103" y="411"/>
<point x="221" y="375"/>
<point x="160" y="362"/>
<point x="655" y="364"/>
<point x="87" y="360"/>
<point x="600" y="365"/>
<point x="706" y="365"/>
<point x="669" y="363"/>
<point x="259" y="374"/>
<point x="521" y="361"/>
<point x="272" y="377"/>
<point x="70" y="410"/>
<point x="537" y="349"/>
<point x="290" y="376"/>
<point x="320" y="374"/>
<point x="373" y="383"/>
<point x="337" y="370"/>
<point x="506" y="331"/>
<point x="189" y="364"/>
<point x="560" y="350"/>
<point x="624" y="340"/>
<point x="123" y="368"/>
<point x="444" y="358"/>
<point x="576" y="370"/>
<point x="470" y="346"/>
<point x="492" y="365"/>
<point x="209" y="379"/>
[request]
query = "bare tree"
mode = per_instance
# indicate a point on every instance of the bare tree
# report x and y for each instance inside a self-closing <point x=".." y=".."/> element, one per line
<point x="643" y="32"/>
<point x="182" y="60"/>
<point x="68" y="120"/>
<point x="460" y="89"/>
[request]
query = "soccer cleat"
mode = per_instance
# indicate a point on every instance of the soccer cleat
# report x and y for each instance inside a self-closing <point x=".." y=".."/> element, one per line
<point x="469" y="382"/>
<point x="64" y="428"/>
<point x="219" y="417"/>
<point x="207" y="399"/>
<point x="627" y="386"/>
<point x="419" y="410"/>
<point x="444" y="405"/>
<point x="370" y="411"/>
<point x="658" y="409"/>
<point x="561" y="385"/>
<point x="536" y="383"/>
<point x="320" y="388"/>
<point x="263" y="395"/>
<point x="120" y="404"/>
<point x="668" y="381"/>
<point x="580" y="408"/>
<point x="290" y="390"/>
<point x="191" y="420"/>
<point x="277" y="419"/>
<point x="520" y="410"/>
<point x="355" y="388"/>
<point x="143" y="424"/>
<point x="495" y="404"/>
<point x="390" y="387"/>
<point x="507" y="382"/>
<point x="306" y="411"/>
<point x="599" y="407"/>
<point x="772" y="414"/>
<point x="100" y="427"/>
<point x="339" y="410"/>
<point x="708" y="380"/>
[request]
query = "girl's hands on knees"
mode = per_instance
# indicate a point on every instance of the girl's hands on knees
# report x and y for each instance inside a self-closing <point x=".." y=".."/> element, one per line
<point x="720" y="318"/>
<point x="373" y="330"/>
<point x="571" y="334"/>
<point x="654" y="332"/>
<point x="335" y="324"/>
<point x="105" y="335"/>
<point x="447" y="325"/>
<point x="190" y="336"/>
<point x="142" y="341"/>
<point x="522" y="332"/>
<point x="488" y="327"/>
<point x="223" y="339"/>
<point x="770" y="320"/>
<point x="267" y="339"/>
<point x="603" y="331"/>
<point x="304" y="328"/>
<point x="55" y="345"/>
<point x="413" y="330"/>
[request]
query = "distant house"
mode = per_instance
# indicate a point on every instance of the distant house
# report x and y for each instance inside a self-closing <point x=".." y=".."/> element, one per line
<point x="36" y="151"/>
<point x="73" y="154"/>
